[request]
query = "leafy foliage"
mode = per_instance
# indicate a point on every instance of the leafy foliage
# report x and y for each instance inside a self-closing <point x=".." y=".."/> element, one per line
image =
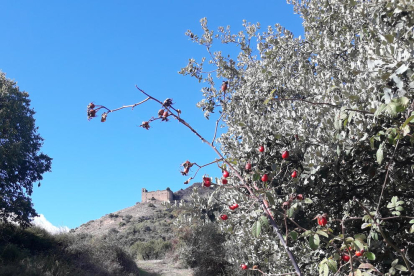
<point x="33" y="251"/>
<point x="21" y="163"/>
<point x="340" y="101"/>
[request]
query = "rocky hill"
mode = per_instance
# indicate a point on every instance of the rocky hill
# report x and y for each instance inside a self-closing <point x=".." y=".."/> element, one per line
<point x="149" y="220"/>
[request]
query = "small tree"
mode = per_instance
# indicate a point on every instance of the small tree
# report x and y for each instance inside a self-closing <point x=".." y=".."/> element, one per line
<point x="21" y="162"/>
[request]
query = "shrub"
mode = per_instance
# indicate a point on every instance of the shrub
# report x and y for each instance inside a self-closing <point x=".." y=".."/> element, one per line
<point x="205" y="251"/>
<point x="153" y="249"/>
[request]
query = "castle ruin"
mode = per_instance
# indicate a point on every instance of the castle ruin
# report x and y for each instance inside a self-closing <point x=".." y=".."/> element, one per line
<point x="165" y="195"/>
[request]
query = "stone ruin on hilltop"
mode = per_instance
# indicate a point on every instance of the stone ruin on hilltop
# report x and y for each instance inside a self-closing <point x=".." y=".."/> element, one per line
<point x="165" y="195"/>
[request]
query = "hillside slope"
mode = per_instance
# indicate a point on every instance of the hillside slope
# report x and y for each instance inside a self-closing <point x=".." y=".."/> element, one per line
<point x="150" y="220"/>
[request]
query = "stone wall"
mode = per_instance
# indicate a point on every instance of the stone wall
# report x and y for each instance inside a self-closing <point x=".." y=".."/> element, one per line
<point x="165" y="195"/>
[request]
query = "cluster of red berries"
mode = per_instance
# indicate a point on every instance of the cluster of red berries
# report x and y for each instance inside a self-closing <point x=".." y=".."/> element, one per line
<point x="163" y="114"/>
<point x="234" y="206"/>
<point x="206" y="181"/>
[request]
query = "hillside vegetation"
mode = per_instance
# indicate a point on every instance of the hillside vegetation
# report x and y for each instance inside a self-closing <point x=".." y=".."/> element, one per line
<point x="34" y="251"/>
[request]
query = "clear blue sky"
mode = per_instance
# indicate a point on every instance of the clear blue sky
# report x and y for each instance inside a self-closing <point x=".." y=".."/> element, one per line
<point x="66" y="54"/>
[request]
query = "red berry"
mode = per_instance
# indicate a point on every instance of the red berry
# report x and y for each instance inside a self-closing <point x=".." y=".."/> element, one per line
<point x="206" y="182"/>
<point x="165" y="114"/>
<point x="322" y="221"/>
<point x="294" y="174"/>
<point x="358" y="253"/>
<point x="232" y="207"/>
<point x="248" y="167"/>
<point x="235" y="205"/>
<point x="265" y="177"/>
<point x="224" y="217"/>
<point x="345" y="258"/>
<point x="299" y="197"/>
<point x="244" y="267"/>
<point x="224" y="181"/>
<point x="224" y="86"/>
<point x="225" y="174"/>
<point x="285" y="154"/>
<point x="91" y="106"/>
<point x="261" y="149"/>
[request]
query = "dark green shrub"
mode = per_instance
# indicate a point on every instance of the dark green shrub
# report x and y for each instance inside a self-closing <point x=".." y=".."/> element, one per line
<point x="205" y="252"/>
<point x="153" y="249"/>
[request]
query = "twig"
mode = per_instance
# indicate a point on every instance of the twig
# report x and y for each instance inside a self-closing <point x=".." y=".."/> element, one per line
<point x="199" y="167"/>
<point x="385" y="180"/>
<point x="347" y="248"/>
<point x="389" y="242"/>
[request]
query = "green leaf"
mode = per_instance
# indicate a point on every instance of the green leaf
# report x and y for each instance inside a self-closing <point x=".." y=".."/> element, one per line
<point x="360" y="237"/>
<point x="399" y="208"/>
<point x="264" y="221"/>
<point x="409" y="120"/>
<point x="320" y="232"/>
<point x="370" y="256"/>
<point x="406" y="130"/>
<point x="294" y="235"/>
<point x="291" y="212"/>
<point x="270" y="198"/>
<point x="372" y="142"/>
<point x="306" y="233"/>
<point x="325" y="270"/>
<point x="366" y="266"/>
<point x="332" y="265"/>
<point x="412" y="229"/>
<point x="394" y="263"/>
<point x="380" y="154"/>
<point x="256" y="229"/>
<point x="380" y="109"/>
<point x="358" y="244"/>
<point x="401" y="267"/>
<point x="357" y="273"/>
<point x="314" y="242"/>
<point x="308" y="201"/>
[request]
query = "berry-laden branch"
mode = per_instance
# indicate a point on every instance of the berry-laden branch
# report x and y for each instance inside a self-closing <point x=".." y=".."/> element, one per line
<point x="167" y="105"/>
<point x="187" y="165"/>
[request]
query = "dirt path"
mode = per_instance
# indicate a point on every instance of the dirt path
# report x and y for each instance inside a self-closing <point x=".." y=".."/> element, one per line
<point x="161" y="268"/>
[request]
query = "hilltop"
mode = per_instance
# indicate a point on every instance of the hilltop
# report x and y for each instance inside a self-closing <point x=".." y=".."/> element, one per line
<point x="148" y="219"/>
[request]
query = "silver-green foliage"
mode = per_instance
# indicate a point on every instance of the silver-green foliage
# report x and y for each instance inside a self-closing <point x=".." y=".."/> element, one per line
<point x="341" y="101"/>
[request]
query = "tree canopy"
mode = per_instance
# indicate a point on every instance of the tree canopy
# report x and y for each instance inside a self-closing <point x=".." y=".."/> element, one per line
<point x="21" y="162"/>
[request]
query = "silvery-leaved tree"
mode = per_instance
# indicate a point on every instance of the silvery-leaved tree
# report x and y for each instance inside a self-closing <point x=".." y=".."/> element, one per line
<point x="318" y="149"/>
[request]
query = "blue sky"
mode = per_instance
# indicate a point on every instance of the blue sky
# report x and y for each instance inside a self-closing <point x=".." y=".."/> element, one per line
<point x="66" y="54"/>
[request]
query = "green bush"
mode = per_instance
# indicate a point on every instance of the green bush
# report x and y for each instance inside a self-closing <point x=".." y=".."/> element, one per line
<point x="153" y="249"/>
<point x="35" y="252"/>
<point x="205" y="251"/>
